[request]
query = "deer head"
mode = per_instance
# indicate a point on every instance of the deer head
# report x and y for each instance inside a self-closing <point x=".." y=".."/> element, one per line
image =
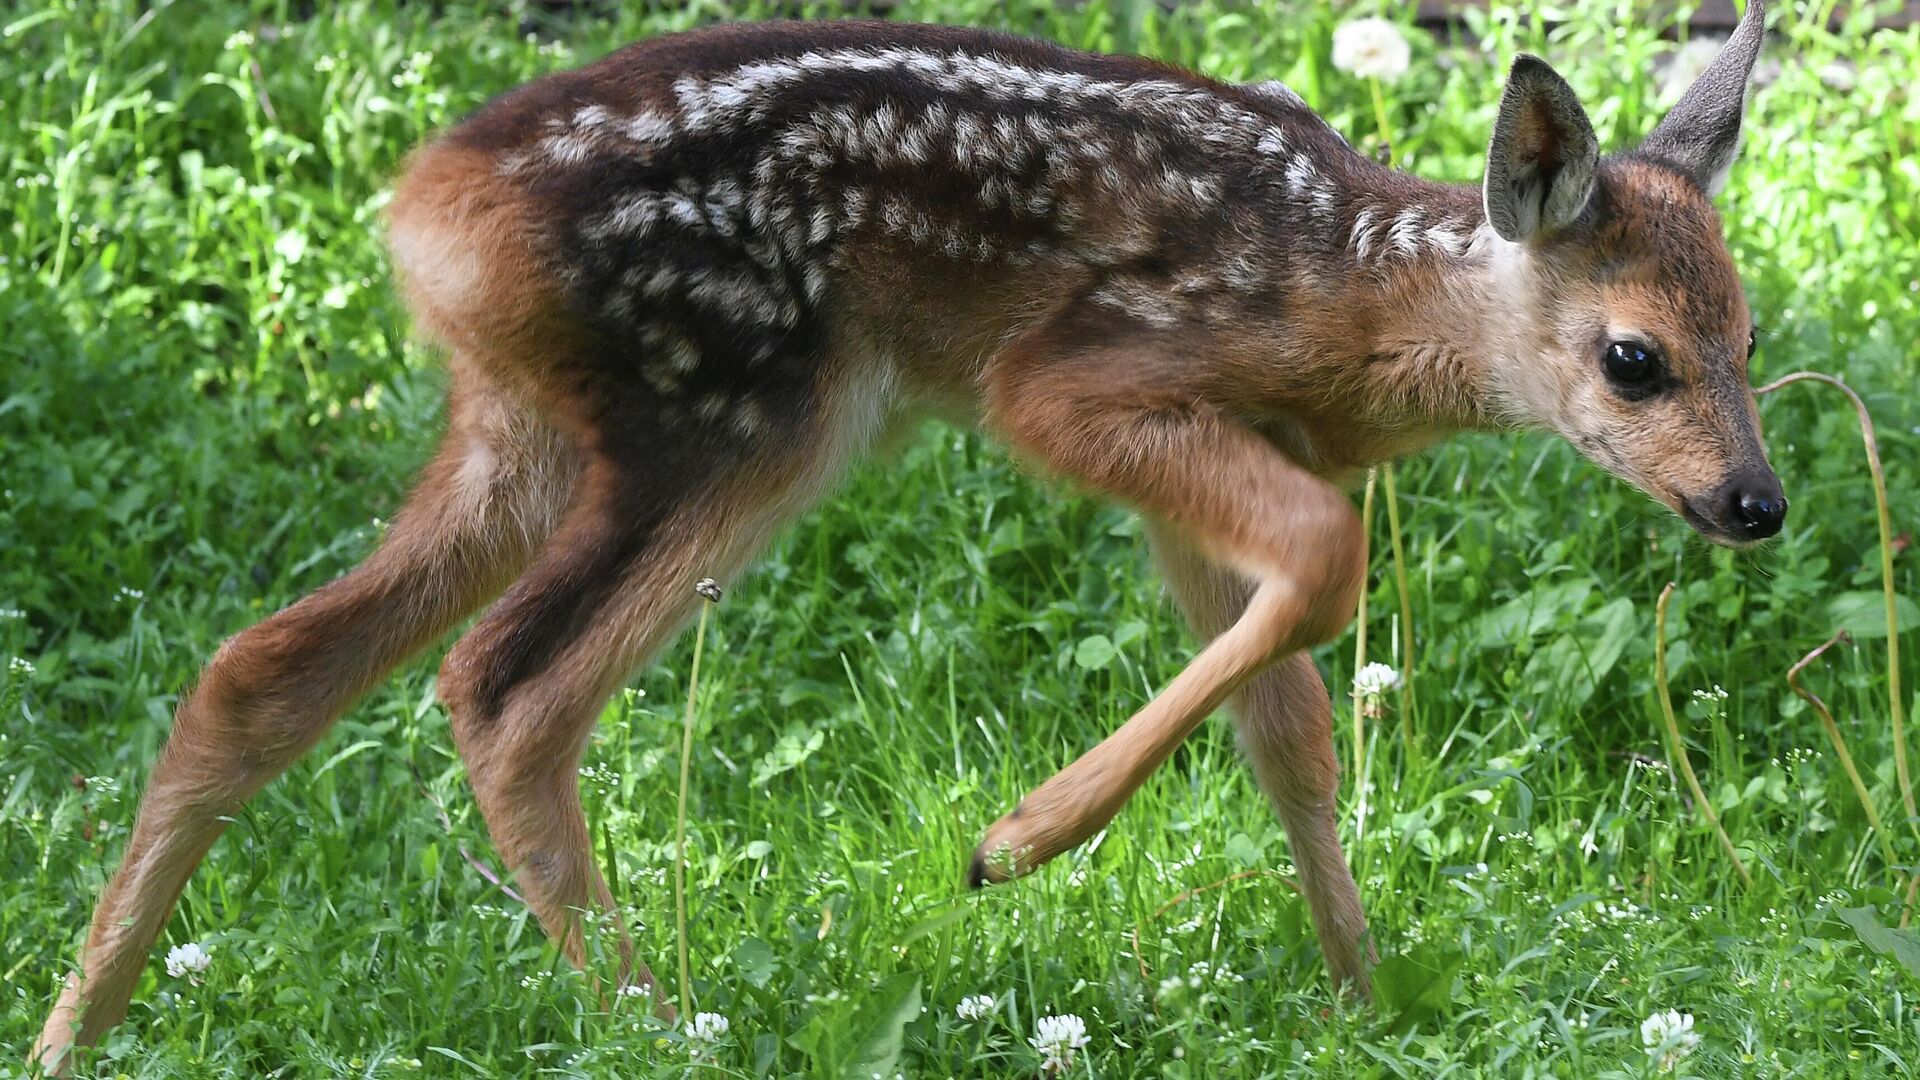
<point x="1630" y="333"/>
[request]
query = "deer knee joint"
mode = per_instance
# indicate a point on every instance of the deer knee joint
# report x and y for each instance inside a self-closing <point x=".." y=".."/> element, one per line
<point x="265" y="690"/>
<point x="1328" y="566"/>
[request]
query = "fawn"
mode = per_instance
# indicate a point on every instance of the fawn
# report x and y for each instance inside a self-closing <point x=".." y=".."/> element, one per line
<point x="682" y="288"/>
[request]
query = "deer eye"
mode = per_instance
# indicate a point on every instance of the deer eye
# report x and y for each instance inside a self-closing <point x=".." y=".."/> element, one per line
<point x="1630" y="363"/>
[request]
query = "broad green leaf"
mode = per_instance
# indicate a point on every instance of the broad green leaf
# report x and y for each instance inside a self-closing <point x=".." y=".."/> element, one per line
<point x="1529" y="614"/>
<point x="1413" y="986"/>
<point x="795" y="745"/>
<point x="1864" y="614"/>
<point x="1617" y="623"/>
<point x="754" y="960"/>
<point x="1902" y="945"/>
<point x="880" y="1027"/>
<point x="1242" y="851"/>
<point x="1094" y="652"/>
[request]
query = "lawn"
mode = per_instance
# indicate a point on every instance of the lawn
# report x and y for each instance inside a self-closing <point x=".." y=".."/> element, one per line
<point x="209" y="403"/>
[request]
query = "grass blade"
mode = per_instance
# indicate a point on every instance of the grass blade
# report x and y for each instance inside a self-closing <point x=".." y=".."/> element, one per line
<point x="1679" y="748"/>
<point x="1896" y="705"/>
<point x="1840" y="744"/>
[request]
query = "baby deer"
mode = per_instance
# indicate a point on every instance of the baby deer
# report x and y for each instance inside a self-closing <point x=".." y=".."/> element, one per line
<point x="682" y="288"/>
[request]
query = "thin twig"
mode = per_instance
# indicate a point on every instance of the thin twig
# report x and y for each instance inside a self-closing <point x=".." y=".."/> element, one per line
<point x="1360" y="639"/>
<point x="1673" y="729"/>
<point x="446" y="823"/>
<point x="1407" y="665"/>
<point x="1840" y="744"/>
<point x="711" y="593"/>
<point x="1896" y="705"/>
<point x="260" y="92"/>
<point x="1188" y="894"/>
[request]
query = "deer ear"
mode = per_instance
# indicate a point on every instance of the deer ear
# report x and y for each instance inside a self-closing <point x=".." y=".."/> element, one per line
<point x="1541" y="164"/>
<point x="1701" y="136"/>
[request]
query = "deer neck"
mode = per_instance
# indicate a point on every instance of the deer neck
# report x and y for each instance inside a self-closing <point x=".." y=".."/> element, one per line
<point x="1415" y="316"/>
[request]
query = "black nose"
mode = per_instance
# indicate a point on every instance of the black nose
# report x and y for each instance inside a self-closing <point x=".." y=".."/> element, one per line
<point x="1760" y="510"/>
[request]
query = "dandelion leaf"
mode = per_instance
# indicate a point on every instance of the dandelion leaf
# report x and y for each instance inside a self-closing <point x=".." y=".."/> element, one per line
<point x="1902" y="945"/>
<point x="881" y="1026"/>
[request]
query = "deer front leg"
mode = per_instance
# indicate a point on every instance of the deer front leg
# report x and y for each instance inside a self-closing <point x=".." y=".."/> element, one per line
<point x="1286" y="728"/>
<point x="1121" y="421"/>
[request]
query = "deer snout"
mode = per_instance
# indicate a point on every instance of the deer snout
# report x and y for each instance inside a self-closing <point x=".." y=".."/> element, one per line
<point x="1747" y="508"/>
<point x="1761" y="509"/>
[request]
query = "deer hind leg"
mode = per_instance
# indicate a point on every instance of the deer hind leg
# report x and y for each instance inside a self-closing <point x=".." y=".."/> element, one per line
<point x="1286" y="727"/>
<point x="1120" y="419"/>
<point x="610" y="588"/>
<point x="274" y="688"/>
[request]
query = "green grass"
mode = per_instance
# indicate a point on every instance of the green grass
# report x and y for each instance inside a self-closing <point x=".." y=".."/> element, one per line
<point x="208" y="402"/>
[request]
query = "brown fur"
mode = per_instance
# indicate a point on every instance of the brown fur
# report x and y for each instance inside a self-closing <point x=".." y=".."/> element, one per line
<point x="683" y="288"/>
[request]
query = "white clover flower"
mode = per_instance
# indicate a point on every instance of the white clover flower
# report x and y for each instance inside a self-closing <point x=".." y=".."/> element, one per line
<point x="1057" y="1037"/>
<point x="189" y="959"/>
<point x="1668" y="1037"/>
<point x="1375" y="680"/>
<point x="633" y="990"/>
<point x="708" y="1028"/>
<point x="239" y="39"/>
<point x="1372" y="49"/>
<point x="977" y="1007"/>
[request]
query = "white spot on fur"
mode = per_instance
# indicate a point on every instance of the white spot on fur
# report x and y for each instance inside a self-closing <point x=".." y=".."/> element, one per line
<point x="1362" y="236"/>
<point x="748" y="418"/>
<point x="631" y="218"/>
<point x="1140" y="300"/>
<point x="695" y="102"/>
<point x="1279" y="91"/>
<point x="1447" y="239"/>
<point x="710" y="407"/>
<point x="1403" y="237"/>
<point x="567" y="149"/>
<point x="853" y="204"/>
<point x="682" y="355"/>
<point x="739" y="296"/>
<point x="649" y="128"/>
<point x="593" y="118"/>
<point x="660" y="375"/>
<point x="1301" y="177"/>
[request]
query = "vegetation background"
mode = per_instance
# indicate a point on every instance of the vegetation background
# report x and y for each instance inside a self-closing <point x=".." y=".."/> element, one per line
<point x="208" y="403"/>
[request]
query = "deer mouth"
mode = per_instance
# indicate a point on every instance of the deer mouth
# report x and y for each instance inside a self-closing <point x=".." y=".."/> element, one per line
<point x="1723" y="533"/>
